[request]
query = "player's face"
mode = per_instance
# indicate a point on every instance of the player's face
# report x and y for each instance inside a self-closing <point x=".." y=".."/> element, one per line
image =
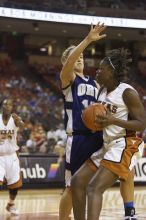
<point x="79" y="64"/>
<point x="8" y="106"/>
<point x="103" y="73"/>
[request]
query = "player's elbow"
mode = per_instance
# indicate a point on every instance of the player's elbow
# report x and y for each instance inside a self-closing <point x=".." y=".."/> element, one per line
<point x="142" y="126"/>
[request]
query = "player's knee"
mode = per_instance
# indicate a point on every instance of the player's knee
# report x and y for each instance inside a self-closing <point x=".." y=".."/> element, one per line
<point x="95" y="189"/>
<point x="13" y="192"/>
<point x="76" y="181"/>
<point x="90" y="189"/>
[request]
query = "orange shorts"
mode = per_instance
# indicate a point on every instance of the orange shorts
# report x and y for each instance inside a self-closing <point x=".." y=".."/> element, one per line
<point x="122" y="155"/>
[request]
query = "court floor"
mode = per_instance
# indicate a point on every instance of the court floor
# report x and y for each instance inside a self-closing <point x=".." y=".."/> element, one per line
<point x="43" y="204"/>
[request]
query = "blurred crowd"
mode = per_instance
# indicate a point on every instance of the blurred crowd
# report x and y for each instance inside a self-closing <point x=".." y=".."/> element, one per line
<point x="76" y="6"/>
<point x="40" y="108"/>
<point x="40" y="105"/>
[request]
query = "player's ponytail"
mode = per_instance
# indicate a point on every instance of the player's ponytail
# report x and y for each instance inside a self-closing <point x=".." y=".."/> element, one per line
<point x="66" y="53"/>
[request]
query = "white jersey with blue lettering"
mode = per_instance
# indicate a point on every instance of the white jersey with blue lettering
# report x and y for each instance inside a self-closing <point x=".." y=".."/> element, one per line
<point x="8" y="137"/>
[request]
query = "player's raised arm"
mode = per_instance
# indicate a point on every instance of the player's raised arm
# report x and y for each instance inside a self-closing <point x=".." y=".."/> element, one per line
<point x="74" y="53"/>
<point x="18" y="121"/>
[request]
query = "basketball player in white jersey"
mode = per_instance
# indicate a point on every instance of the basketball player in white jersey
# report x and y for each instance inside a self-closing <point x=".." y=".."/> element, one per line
<point x="126" y="115"/>
<point x="9" y="162"/>
<point x="81" y="145"/>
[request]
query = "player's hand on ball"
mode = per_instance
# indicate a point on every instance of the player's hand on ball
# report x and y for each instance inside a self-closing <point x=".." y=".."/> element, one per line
<point x="89" y="115"/>
<point x="105" y="120"/>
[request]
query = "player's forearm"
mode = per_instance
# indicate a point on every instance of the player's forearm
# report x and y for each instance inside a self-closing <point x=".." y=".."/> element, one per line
<point x="134" y="125"/>
<point x="20" y="124"/>
<point x="76" y="52"/>
<point x="67" y="73"/>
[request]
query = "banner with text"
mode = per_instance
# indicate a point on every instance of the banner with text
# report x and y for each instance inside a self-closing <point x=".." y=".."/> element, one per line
<point x="140" y="170"/>
<point x="71" y="18"/>
<point x="47" y="170"/>
<point x="42" y="170"/>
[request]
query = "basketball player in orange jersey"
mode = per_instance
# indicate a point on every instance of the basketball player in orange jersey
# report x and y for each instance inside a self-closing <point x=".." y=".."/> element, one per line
<point x="9" y="162"/>
<point x="81" y="142"/>
<point x="122" y="147"/>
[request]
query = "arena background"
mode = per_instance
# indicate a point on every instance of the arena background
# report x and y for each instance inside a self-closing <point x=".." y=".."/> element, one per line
<point x="32" y="37"/>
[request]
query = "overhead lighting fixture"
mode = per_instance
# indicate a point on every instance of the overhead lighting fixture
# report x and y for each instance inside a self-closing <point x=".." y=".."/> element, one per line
<point x="119" y="35"/>
<point x="50" y="49"/>
<point x="43" y="49"/>
<point x="35" y="26"/>
<point x="93" y="51"/>
<point x="14" y="33"/>
<point x="64" y="31"/>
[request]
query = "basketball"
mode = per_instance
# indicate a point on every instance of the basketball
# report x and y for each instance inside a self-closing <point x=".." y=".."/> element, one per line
<point x="89" y="115"/>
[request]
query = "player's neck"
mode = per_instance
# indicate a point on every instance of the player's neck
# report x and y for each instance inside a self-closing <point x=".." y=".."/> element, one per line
<point x="6" y="116"/>
<point x="80" y="74"/>
<point x="112" y="87"/>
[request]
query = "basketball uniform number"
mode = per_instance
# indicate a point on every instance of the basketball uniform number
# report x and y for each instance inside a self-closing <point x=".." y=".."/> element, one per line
<point x="86" y="103"/>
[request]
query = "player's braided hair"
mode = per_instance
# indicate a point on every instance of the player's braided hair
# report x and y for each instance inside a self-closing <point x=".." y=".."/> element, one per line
<point x="118" y="59"/>
<point x="66" y="53"/>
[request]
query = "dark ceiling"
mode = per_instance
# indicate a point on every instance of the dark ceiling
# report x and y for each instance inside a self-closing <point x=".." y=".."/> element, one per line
<point x="64" y="31"/>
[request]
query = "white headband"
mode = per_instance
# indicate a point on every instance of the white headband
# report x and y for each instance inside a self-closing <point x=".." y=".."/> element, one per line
<point x="111" y="63"/>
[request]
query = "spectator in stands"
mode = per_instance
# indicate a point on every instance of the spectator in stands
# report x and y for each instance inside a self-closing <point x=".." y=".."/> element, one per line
<point x="61" y="133"/>
<point x="51" y="134"/>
